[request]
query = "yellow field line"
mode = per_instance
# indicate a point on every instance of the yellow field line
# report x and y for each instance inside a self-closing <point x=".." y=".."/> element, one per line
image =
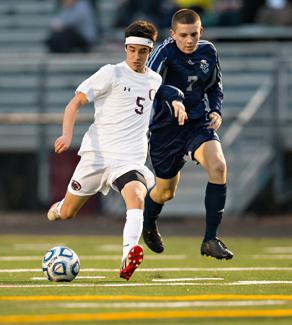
<point x="146" y="315"/>
<point x="127" y="297"/>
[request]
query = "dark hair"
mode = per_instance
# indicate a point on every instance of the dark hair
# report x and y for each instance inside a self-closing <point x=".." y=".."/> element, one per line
<point x="143" y="29"/>
<point x="184" y="16"/>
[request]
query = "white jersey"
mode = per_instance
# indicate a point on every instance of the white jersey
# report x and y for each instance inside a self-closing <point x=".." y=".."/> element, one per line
<point x="123" y="100"/>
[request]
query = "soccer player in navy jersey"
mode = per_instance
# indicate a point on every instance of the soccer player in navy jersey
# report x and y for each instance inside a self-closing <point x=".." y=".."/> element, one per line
<point x="192" y="65"/>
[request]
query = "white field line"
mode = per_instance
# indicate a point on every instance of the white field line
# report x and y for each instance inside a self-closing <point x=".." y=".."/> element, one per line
<point x="47" y="246"/>
<point x="90" y="258"/>
<point x="118" y="257"/>
<point x="35" y="247"/>
<point x="225" y="269"/>
<point x="117" y="248"/>
<point x="109" y="248"/>
<point x="185" y="279"/>
<point x="20" y="258"/>
<point x="145" y="284"/>
<point x="261" y="282"/>
<point x="149" y="257"/>
<point x="155" y="305"/>
<point x="77" y="278"/>
<point x="276" y="250"/>
<point x="272" y="257"/>
<point x="154" y="280"/>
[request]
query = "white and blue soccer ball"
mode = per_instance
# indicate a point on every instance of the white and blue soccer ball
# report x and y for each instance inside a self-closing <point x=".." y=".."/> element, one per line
<point x="61" y="264"/>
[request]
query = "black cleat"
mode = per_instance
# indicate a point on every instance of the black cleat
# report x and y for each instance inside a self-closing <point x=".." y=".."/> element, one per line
<point x="153" y="240"/>
<point x="215" y="248"/>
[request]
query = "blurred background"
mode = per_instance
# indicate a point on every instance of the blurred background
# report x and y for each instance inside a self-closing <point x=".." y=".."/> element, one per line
<point x="48" y="47"/>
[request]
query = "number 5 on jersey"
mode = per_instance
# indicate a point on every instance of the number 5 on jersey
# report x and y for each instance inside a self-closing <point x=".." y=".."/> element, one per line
<point x="138" y="102"/>
<point x="152" y="94"/>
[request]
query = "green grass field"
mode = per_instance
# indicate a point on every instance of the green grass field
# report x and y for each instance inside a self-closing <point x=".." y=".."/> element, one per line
<point x="178" y="286"/>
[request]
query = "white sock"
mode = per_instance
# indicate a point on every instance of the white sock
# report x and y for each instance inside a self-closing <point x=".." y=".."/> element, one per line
<point x="59" y="207"/>
<point x="132" y="230"/>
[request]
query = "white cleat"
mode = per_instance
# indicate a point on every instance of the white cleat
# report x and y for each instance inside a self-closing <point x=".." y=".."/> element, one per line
<point x="53" y="212"/>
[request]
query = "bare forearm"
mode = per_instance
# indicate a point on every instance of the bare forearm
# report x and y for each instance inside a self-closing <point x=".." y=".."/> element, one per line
<point x="63" y="143"/>
<point x="70" y="117"/>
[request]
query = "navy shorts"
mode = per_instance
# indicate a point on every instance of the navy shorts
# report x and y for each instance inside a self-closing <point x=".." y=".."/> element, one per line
<point x="169" y="144"/>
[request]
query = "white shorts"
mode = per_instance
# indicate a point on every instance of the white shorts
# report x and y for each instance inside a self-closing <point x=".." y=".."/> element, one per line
<point x="97" y="174"/>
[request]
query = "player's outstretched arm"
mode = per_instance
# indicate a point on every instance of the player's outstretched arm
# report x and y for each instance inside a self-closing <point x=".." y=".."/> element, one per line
<point x="63" y="142"/>
<point x="175" y="96"/>
<point x="179" y="111"/>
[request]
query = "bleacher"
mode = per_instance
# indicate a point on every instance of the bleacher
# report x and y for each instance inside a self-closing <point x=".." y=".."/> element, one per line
<point x="35" y="82"/>
<point x="24" y="25"/>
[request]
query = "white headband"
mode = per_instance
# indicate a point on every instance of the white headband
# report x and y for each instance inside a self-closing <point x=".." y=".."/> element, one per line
<point x="139" y="41"/>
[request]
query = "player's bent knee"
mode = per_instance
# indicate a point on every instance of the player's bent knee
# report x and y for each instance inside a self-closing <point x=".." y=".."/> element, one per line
<point x="218" y="169"/>
<point x="138" y="201"/>
<point x="221" y="167"/>
<point x="168" y="195"/>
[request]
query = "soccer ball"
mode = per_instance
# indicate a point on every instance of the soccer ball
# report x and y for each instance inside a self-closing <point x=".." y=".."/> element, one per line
<point x="61" y="264"/>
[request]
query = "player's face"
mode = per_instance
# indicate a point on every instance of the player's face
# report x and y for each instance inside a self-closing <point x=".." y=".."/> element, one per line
<point x="187" y="36"/>
<point x="137" y="56"/>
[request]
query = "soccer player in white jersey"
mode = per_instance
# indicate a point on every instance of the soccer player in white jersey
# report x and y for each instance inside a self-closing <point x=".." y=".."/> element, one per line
<point x="114" y="149"/>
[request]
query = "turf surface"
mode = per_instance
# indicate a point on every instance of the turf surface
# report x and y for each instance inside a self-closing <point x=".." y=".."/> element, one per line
<point x="178" y="286"/>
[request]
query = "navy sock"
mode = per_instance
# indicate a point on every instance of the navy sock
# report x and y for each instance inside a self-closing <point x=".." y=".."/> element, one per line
<point x="214" y="203"/>
<point x="151" y="212"/>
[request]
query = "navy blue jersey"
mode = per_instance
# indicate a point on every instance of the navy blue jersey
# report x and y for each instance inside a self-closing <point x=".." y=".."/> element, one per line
<point x="167" y="94"/>
<point x="196" y="75"/>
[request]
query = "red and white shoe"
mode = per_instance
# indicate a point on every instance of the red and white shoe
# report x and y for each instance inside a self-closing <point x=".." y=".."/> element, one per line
<point x="131" y="262"/>
<point x="53" y="213"/>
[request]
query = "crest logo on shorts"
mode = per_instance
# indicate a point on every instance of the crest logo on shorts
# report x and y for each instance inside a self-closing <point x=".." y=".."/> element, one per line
<point x="75" y="185"/>
<point x="204" y="66"/>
